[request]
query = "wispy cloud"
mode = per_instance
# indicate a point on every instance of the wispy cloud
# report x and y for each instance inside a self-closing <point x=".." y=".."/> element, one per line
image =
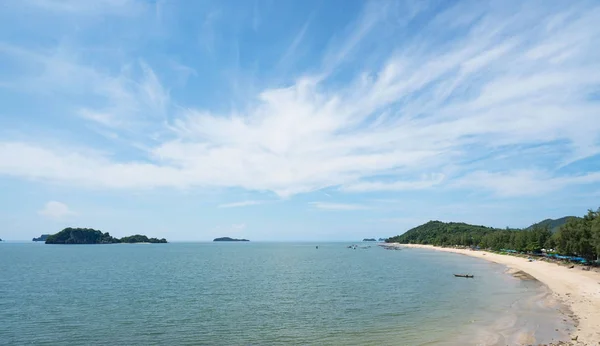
<point x="373" y="13"/>
<point x="490" y="82"/>
<point x="338" y="206"/>
<point x="134" y="95"/>
<point x="241" y="204"/>
<point x="292" y="50"/>
<point x="522" y="182"/>
<point x="255" y="16"/>
<point x="75" y="7"/>
<point x="184" y="72"/>
<point x="207" y="34"/>
<point x="428" y="182"/>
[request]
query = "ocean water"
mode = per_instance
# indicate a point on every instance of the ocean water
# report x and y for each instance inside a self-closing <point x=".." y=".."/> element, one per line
<point x="254" y="294"/>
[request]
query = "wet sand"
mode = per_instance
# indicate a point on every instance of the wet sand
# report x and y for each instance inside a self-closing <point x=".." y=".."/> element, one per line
<point x="574" y="292"/>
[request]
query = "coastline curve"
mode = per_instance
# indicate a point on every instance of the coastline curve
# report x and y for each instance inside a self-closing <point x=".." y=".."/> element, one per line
<point x="578" y="290"/>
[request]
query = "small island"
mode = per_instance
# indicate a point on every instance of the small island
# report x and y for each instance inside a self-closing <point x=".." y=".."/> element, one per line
<point x="229" y="239"/>
<point x="142" y="239"/>
<point x="43" y="237"/>
<point x="369" y="239"/>
<point x="92" y="236"/>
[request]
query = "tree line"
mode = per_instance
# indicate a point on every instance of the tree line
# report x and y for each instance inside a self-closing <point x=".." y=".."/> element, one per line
<point x="578" y="236"/>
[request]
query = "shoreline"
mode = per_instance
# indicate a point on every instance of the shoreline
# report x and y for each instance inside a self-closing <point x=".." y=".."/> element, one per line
<point x="577" y="289"/>
<point x="535" y="319"/>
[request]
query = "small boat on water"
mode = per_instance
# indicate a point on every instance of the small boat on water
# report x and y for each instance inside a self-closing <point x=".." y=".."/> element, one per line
<point x="464" y="276"/>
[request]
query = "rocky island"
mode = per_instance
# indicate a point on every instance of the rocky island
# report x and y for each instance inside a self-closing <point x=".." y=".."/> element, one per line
<point x="229" y="239"/>
<point x="369" y="239"/>
<point x="43" y="237"/>
<point x="92" y="236"/>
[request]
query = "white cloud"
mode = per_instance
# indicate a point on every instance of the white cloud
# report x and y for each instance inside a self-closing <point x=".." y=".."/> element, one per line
<point x="255" y="17"/>
<point x="292" y="51"/>
<point x="56" y="210"/>
<point x="133" y="98"/>
<point x="207" y="36"/>
<point x="426" y="183"/>
<point x="104" y="118"/>
<point x="184" y="72"/>
<point x="429" y="106"/>
<point x="522" y="182"/>
<point x="241" y="204"/>
<point x="338" y="206"/>
<point x="76" y="7"/>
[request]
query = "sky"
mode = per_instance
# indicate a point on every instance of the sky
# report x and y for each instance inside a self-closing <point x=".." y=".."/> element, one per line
<point x="295" y="120"/>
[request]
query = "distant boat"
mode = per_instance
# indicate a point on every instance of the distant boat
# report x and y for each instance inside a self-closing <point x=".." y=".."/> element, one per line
<point x="317" y="247"/>
<point x="464" y="276"/>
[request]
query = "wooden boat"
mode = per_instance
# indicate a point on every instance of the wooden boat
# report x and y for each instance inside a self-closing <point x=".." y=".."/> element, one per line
<point x="464" y="276"/>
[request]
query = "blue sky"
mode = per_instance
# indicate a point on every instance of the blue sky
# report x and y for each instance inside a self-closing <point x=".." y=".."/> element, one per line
<point x="295" y="120"/>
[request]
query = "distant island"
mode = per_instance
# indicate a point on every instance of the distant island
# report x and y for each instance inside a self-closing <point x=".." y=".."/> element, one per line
<point x="142" y="239"/>
<point x="229" y="239"/>
<point x="369" y="239"/>
<point x="43" y="237"/>
<point x="92" y="236"/>
<point x="381" y="239"/>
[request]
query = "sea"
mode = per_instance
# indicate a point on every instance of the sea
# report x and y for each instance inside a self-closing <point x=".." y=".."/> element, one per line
<point x="263" y="294"/>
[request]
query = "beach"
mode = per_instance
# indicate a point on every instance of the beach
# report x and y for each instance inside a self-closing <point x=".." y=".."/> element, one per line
<point x="579" y="290"/>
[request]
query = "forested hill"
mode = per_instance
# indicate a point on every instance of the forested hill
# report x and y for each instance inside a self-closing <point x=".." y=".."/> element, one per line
<point x="443" y="233"/>
<point x="576" y="236"/>
<point x="92" y="236"/>
<point x="553" y="224"/>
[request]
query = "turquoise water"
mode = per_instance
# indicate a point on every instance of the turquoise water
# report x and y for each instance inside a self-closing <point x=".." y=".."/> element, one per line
<point x="245" y="294"/>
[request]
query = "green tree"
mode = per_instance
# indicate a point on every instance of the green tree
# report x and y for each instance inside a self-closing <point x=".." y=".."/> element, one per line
<point x="596" y="235"/>
<point x="574" y="236"/>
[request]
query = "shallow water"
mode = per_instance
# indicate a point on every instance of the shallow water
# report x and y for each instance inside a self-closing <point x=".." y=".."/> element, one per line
<point x="255" y="294"/>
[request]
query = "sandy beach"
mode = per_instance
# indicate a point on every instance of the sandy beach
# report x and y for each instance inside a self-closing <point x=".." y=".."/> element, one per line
<point x="579" y="290"/>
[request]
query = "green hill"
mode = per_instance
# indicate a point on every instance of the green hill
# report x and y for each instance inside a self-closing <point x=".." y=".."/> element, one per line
<point x="459" y="233"/>
<point x="462" y="234"/>
<point x="553" y="224"/>
<point x="573" y="236"/>
<point x="92" y="236"/>
<point x="443" y="233"/>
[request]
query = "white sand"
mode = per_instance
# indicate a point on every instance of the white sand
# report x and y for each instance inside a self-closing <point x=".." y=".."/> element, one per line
<point x="578" y="289"/>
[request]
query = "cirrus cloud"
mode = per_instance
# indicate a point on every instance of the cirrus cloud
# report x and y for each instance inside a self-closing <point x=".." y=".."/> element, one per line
<point x="423" y="107"/>
<point x="338" y="206"/>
